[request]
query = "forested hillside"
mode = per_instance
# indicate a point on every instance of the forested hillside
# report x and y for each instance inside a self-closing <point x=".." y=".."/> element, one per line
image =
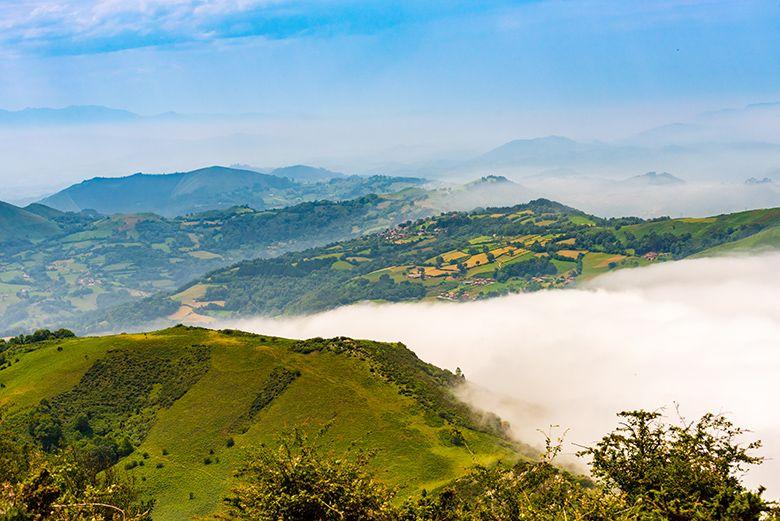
<point x="93" y="262"/>
<point x="456" y="256"/>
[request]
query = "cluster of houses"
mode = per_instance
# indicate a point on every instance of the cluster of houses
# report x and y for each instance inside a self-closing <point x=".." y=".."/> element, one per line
<point x="87" y="281"/>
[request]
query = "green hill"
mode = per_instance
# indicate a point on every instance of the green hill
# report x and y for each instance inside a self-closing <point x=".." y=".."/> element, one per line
<point x="96" y="262"/>
<point x="17" y="224"/>
<point x="44" y="211"/>
<point x="454" y="256"/>
<point x="214" y="187"/>
<point x="190" y="402"/>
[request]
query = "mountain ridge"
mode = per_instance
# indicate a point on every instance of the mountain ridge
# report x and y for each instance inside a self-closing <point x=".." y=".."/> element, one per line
<point x="209" y="188"/>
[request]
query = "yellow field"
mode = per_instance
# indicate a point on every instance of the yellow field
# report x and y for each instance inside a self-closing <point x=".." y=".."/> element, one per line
<point x="567" y="242"/>
<point x="501" y="251"/>
<point x="453" y="255"/>
<point x="439" y="272"/>
<point x="603" y="263"/>
<point x="480" y="259"/>
<point x="189" y="314"/>
<point x="571" y="254"/>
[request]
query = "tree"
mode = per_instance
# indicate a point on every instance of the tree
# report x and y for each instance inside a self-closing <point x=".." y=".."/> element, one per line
<point x="298" y="480"/>
<point x="63" y="487"/>
<point x="685" y="471"/>
<point x="45" y="427"/>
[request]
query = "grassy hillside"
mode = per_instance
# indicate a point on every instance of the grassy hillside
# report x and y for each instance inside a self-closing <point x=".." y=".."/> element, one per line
<point x="191" y="403"/>
<point x="456" y="256"/>
<point x="19" y="225"/>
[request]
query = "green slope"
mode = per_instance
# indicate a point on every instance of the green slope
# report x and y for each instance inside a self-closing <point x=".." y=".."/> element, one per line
<point x="765" y="240"/>
<point x="453" y="256"/>
<point x="98" y="262"/>
<point x="17" y="224"/>
<point x="180" y="394"/>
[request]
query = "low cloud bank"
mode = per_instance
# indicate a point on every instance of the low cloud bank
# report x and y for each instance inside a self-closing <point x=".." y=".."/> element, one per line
<point x="703" y="333"/>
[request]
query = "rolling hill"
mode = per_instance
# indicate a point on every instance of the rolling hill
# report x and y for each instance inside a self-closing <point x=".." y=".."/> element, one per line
<point x="95" y="262"/>
<point x="20" y="225"/>
<point x="179" y="409"/>
<point x="455" y="256"/>
<point x="168" y="194"/>
<point x="210" y="188"/>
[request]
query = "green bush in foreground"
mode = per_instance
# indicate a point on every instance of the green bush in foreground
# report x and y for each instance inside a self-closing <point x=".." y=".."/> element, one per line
<point x="644" y="470"/>
<point x="66" y="487"/>
<point x="299" y="481"/>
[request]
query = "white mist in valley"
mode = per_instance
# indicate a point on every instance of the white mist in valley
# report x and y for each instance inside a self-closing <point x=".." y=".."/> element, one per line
<point x="703" y="333"/>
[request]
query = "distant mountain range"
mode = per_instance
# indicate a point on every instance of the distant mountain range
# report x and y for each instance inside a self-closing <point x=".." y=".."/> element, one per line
<point x="76" y="114"/>
<point x="654" y="179"/>
<point x="526" y="157"/>
<point x="299" y="173"/>
<point x="218" y="187"/>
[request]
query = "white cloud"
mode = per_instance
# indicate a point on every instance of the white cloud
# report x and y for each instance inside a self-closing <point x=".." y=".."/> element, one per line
<point x="703" y="333"/>
<point x="46" y="22"/>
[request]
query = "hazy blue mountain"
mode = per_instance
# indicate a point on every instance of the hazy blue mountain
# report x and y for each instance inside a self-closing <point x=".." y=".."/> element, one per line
<point x="18" y="224"/>
<point x="166" y="194"/>
<point x="654" y="179"/>
<point x="299" y="173"/>
<point x="306" y="174"/>
<point x="213" y="188"/>
<point x="758" y="181"/>
<point x="553" y="152"/>
<point x="44" y="211"/>
<point x="75" y="114"/>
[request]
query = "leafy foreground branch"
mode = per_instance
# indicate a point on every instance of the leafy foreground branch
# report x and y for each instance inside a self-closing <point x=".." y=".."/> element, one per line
<point x="69" y="485"/>
<point x="644" y="470"/>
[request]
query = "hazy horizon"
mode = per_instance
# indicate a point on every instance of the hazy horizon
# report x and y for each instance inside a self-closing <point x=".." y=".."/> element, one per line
<point x="398" y="88"/>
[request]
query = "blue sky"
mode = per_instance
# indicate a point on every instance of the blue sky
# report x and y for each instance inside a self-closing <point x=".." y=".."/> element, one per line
<point x="378" y="58"/>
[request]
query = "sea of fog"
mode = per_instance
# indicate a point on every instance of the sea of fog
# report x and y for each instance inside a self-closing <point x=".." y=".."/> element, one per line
<point x="704" y="334"/>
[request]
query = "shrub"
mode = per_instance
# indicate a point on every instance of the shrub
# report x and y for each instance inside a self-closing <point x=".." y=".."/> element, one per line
<point x="689" y="470"/>
<point x="299" y="481"/>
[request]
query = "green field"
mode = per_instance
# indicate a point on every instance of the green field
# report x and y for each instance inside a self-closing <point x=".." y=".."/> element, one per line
<point x="356" y="387"/>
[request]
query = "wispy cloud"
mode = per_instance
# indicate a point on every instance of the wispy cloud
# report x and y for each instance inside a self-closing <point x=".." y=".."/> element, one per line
<point x="94" y="26"/>
<point x="86" y="26"/>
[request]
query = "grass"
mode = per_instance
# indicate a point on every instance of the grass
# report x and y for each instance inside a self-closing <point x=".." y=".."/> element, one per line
<point x="345" y="391"/>
<point x="582" y="220"/>
<point x="765" y="240"/>
<point x="597" y="263"/>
